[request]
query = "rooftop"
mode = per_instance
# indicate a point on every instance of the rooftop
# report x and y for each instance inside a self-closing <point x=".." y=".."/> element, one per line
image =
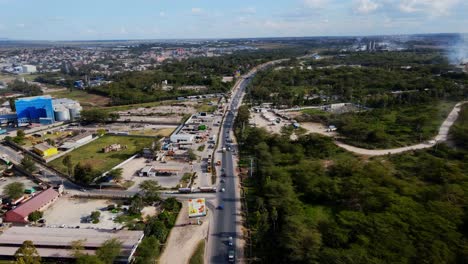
<point x="55" y="242"/>
<point x="33" y="98"/>
<point x="43" y="146"/>
<point x="35" y="203"/>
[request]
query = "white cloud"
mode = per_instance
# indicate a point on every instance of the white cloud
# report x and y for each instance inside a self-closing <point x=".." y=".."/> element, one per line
<point x="249" y="10"/>
<point x="432" y="7"/>
<point x="196" y="10"/>
<point x="20" y="25"/>
<point x="366" y="6"/>
<point x="162" y="14"/>
<point x="315" y="3"/>
<point x="123" y="30"/>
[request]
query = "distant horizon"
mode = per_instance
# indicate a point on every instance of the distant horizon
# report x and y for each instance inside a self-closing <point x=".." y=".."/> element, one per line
<point x="231" y="38"/>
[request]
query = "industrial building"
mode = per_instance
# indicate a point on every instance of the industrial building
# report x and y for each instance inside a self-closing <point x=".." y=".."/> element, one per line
<point x="37" y="109"/>
<point x="66" y="109"/>
<point x="38" y="203"/>
<point x="45" y="110"/>
<point x="56" y="243"/>
<point x="45" y="150"/>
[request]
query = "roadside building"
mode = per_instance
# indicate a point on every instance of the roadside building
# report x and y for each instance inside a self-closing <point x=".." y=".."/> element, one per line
<point x="38" y="203"/>
<point x="45" y="150"/>
<point x="36" y="109"/>
<point x="177" y="138"/>
<point x="29" y="68"/>
<point x="147" y="171"/>
<point x="81" y="138"/>
<point x="54" y="244"/>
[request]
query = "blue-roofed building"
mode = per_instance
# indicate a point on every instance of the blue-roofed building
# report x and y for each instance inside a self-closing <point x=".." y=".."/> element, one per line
<point x="37" y="109"/>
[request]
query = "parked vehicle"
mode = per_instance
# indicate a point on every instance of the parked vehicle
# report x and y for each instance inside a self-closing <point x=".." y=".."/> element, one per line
<point x="231" y="256"/>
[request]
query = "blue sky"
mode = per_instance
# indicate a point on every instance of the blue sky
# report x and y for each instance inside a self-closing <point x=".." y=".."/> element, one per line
<point x="163" y="19"/>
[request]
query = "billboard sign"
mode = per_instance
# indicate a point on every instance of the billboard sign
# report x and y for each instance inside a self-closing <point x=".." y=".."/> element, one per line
<point x="197" y="207"/>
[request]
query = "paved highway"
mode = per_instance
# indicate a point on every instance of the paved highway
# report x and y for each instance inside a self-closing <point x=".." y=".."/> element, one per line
<point x="227" y="222"/>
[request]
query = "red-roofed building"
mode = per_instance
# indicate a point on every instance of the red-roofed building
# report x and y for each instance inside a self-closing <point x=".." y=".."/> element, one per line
<point x="38" y="203"/>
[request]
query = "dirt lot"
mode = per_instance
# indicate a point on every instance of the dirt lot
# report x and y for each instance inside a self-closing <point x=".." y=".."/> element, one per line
<point x="131" y="169"/>
<point x="183" y="239"/>
<point x="28" y="183"/>
<point x="259" y="121"/>
<point x="70" y="211"/>
<point x="317" y="128"/>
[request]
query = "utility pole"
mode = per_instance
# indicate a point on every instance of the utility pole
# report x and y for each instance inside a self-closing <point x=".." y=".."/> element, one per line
<point x="251" y="166"/>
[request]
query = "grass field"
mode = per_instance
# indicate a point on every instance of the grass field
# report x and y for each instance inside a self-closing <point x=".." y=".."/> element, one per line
<point x="86" y="100"/>
<point x="165" y="132"/>
<point x="92" y="152"/>
<point x="198" y="256"/>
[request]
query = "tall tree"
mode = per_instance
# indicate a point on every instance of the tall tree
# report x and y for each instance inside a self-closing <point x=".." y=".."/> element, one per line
<point x="109" y="251"/>
<point x="27" y="254"/>
<point x="147" y="251"/>
<point x="28" y="164"/>
<point x="150" y="191"/>
<point x="14" y="190"/>
<point x="67" y="162"/>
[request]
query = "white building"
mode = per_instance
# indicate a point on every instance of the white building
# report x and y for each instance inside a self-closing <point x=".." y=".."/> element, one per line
<point x="29" y="68"/>
<point x="186" y="138"/>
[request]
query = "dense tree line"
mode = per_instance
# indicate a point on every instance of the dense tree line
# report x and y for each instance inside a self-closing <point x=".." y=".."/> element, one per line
<point x="23" y="87"/>
<point x="373" y="87"/>
<point x="138" y="87"/>
<point x="311" y="202"/>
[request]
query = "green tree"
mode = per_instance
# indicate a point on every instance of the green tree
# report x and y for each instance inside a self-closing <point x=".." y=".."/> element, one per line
<point x="28" y="164"/>
<point x="117" y="174"/>
<point x="150" y="191"/>
<point x="84" y="173"/>
<point x="109" y="250"/>
<point x="77" y="248"/>
<point x="94" y="116"/>
<point x="27" y="254"/>
<point x="89" y="259"/>
<point x="148" y="251"/>
<point x="20" y="133"/>
<point x="14" y="190"/>
<point x="95" y="215"/>
<point x="191" y="155"/>
<point x="136" y="205"/>
<point x="35" y="216"/>
<point x="67" y="162"/>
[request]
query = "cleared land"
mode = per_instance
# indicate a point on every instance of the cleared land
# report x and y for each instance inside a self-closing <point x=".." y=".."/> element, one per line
<point x="71" y="212"/>
<point x="92" y="152"/>
<point x="86" y="99"/>
<point x="165" y="132"/>
<point x="183" y="239"/>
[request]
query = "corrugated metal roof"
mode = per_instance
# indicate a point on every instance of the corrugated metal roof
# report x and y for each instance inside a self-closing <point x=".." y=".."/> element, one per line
<point x="43" y="146"/>
<point x="35" y="203"/>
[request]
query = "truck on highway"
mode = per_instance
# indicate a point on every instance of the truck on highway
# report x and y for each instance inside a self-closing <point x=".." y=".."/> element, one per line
<point x="207" y="189"/>
<point x="185" y="190"/>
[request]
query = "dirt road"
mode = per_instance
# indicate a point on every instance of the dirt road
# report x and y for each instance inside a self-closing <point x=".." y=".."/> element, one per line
<point x="183" y="239"/>
<point x="441" y="136"/>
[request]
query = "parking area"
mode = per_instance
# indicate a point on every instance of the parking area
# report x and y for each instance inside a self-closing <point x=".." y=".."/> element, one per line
<point x="132" y="168"/>
<point x="258" y="119"/>
<point x="72" y="212"/>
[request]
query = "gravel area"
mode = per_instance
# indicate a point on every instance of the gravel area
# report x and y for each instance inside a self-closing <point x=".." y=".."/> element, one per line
<point x="131" y="169"/>
<point x="69" y="212"/>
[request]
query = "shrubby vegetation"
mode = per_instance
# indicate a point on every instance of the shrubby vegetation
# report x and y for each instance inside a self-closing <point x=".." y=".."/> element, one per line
<point x="460" y="130"/>
<point x="311" y="202"/>
<point x="399" y="98"/>
<point x="140" y="87"/>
